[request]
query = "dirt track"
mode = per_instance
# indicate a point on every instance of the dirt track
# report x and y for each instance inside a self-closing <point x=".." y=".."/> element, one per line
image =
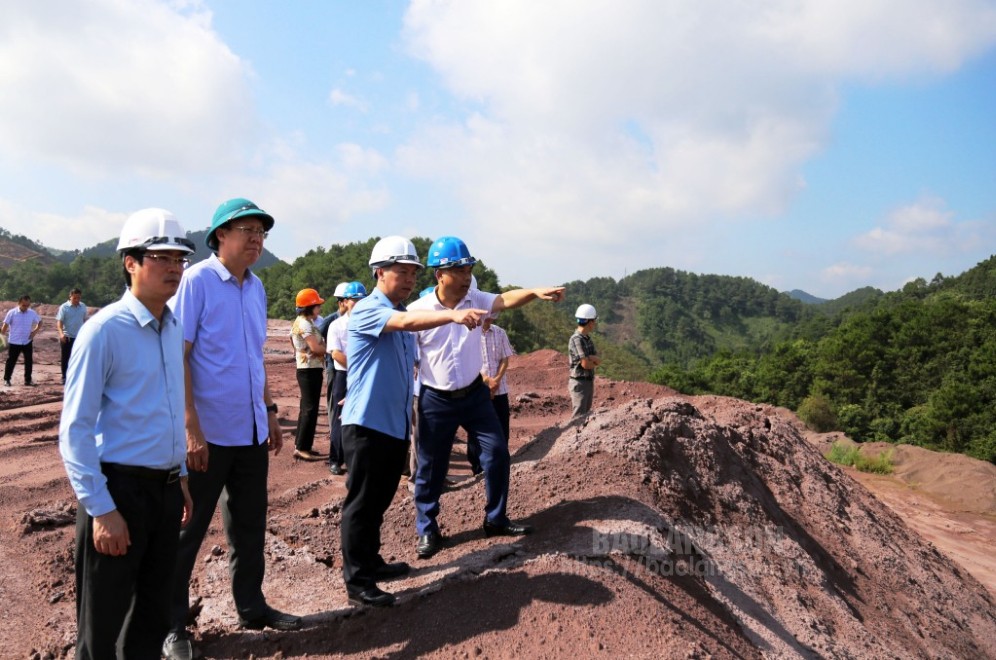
<point x="783" y="554"/>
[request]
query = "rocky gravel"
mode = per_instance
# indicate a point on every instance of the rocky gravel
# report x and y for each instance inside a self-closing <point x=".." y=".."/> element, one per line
<point x="667" y="527"/>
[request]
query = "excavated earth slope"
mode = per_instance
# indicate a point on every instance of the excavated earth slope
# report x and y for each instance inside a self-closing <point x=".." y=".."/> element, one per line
<point x="667" y="526"/>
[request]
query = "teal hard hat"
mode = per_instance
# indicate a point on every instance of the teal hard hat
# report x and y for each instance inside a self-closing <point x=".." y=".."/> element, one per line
<point x="232" y="209"/>
<point x="449" y="252"/>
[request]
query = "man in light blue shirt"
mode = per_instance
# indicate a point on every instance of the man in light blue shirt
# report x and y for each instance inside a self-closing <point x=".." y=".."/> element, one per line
<point x="232" y="422"/>
<point x="68" y="321"/>
<point x="121" y="438"/>
<point x="380" y="352"/>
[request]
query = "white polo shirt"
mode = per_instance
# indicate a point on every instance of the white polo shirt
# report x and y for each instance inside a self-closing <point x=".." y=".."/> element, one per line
<point x="338" y="332"/>
<point x="450" y="355"/>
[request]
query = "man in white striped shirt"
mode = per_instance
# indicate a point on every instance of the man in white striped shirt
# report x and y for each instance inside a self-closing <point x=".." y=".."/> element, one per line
<point x="495" y="352"/>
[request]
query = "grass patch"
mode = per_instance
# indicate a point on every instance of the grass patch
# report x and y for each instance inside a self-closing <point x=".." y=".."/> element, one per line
<point x="843" y="455"/>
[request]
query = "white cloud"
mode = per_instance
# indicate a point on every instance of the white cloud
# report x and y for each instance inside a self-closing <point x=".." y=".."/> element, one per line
<point x="338" y="97"/>
<point x="90" y="226"/>
<point x="313" y="200"/>
<point x="924" y="227"/>
<point x="873" y="38"/>
<point x="624" y="122"/>
<point x="845" y="270"/>
<point x="108" y="87"/>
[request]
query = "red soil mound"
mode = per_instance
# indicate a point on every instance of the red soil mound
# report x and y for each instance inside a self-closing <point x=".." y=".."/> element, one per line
<point x="667" y="526"/>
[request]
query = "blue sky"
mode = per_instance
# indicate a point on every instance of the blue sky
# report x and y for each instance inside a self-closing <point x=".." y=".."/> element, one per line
<point x="820" y="145"/>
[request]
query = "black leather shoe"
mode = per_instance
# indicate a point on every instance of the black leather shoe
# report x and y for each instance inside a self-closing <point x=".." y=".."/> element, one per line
<point x="273" y="619"/>
<point x="429" y="544"/>
<point x="507" y="529"/>
<point x="336" y="469"/>
<point x="392" y="570"/>
<point x="373" y="596"/>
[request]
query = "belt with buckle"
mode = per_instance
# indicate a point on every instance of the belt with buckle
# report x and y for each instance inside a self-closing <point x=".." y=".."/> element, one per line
<point x="170" y="476"/>
<point x="460" y="393"/>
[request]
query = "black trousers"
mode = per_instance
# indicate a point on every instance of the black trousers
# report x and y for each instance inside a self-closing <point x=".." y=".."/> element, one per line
<point x="337" y="392"/>
<point x="67" y="348"/>
<point x="14" y="351"/>
<point x="237" y="476"/>
<point x="122" y="603"/>
<point x="310" y="382"/>
<point x="375" y="461"/>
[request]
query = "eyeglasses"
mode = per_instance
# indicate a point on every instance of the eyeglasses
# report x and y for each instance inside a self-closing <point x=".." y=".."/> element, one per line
<point x="164" y="260"/>
<point x="252" y="231"/>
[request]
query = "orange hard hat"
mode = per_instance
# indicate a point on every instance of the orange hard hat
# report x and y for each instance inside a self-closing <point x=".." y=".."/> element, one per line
<point x="307" y="298"/>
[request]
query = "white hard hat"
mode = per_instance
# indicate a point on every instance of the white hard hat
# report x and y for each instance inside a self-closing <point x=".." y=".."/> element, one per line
<point x="393" y="250"/>
<point x="154" y="229"/>
<point x="473" y="281"/>
<point x="340" y="290"/>
<point x="585" y="312"/>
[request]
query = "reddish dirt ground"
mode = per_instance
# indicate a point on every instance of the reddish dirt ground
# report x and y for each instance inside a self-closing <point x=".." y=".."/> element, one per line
<point x="667" y="527"/>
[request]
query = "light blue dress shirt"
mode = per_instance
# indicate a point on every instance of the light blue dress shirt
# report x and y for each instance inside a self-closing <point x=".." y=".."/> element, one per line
<point x="379" y="378"/>
<point x="72" y="317"/>
<point x="226" y="325"/>
<point x="124" y="399"/>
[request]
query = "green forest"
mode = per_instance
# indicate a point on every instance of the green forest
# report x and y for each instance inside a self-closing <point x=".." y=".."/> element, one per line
<point x="912" y="366"/>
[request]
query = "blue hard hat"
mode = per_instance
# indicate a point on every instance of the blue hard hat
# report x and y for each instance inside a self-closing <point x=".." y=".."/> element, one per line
<point x="449" y="252"/>
<point x="426" y="291"/>
<point x="235" y="208"/>
<point x="355" y="291"/>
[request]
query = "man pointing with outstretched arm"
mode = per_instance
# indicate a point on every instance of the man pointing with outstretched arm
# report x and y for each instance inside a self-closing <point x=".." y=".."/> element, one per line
<point x="454" y="394"/>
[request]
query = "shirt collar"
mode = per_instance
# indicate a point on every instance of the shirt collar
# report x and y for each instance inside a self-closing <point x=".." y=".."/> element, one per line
<point x="142" y="313"/>
<point x="382" y="298"/>
<point x="214" y="263"/>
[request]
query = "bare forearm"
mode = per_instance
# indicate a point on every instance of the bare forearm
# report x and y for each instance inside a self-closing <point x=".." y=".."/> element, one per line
<point x="514" y="298"/>
<point x="414" y="321"/>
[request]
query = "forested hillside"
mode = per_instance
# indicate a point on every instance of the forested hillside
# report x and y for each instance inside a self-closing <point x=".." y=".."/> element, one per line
<point x="916" y="365"/>
<point x="49" y="274"/>
<point x="323" y="268"/>
<point x="16" y="249"/>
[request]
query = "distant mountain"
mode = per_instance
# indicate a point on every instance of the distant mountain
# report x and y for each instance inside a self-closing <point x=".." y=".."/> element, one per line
<point x="802" y="296"/>
<point x="16" y="249"/>
<point x="47" y="274"/>
<point x="860" y="299"/>
<point x="978" y="282"/>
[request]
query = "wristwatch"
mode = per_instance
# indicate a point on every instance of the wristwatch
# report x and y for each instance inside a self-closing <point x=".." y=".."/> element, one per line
<point x="271" y="408"/>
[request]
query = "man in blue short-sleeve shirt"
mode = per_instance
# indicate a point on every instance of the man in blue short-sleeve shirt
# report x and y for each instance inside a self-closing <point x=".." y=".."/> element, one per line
<point x="231" y="419"/>
<point x="376" y="421"/>
<point x="68" y="321"/>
